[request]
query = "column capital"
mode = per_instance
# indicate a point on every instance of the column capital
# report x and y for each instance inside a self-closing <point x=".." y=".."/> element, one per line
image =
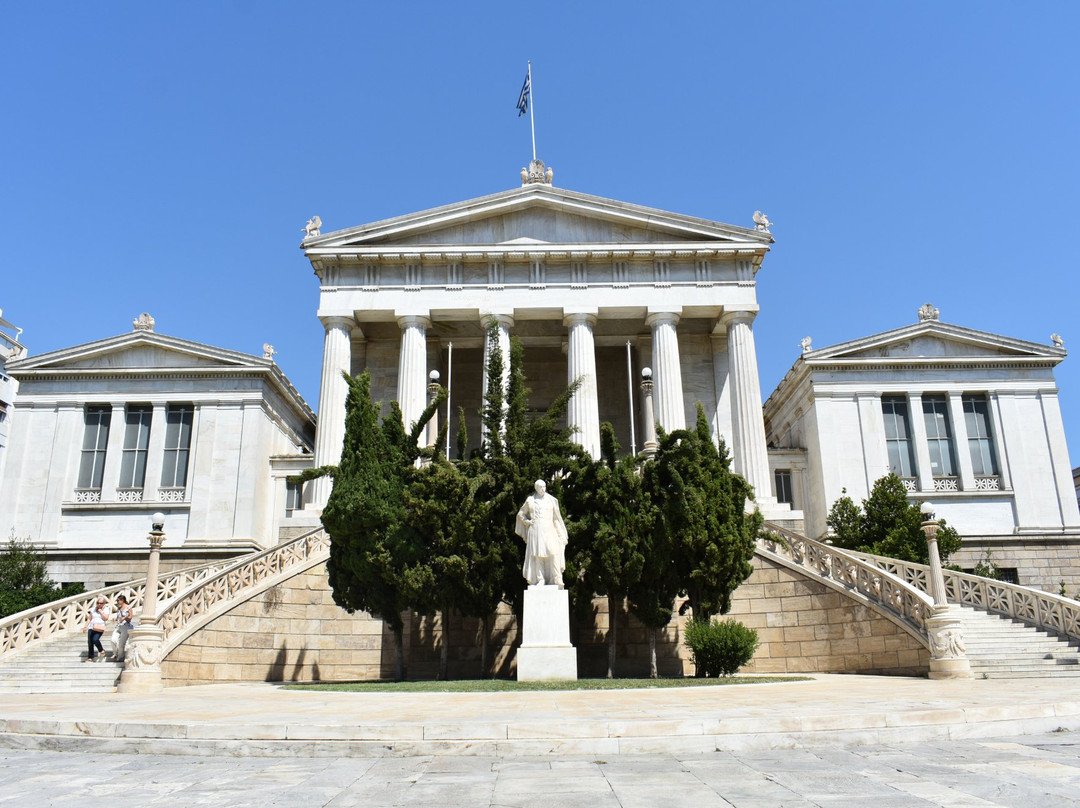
<point x="728" y="318"/>
<point x="658" y="317"/>
<point x="406" y="320"/>
<point x="575" y="317"/>
<point x="502" y="318"/>
<point x="338" y="321"/>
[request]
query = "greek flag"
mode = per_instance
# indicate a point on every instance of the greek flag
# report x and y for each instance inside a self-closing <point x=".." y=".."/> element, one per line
<point x="523" y="99"/>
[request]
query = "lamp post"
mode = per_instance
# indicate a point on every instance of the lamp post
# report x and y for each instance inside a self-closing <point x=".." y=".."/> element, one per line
<point x="937" y="578"/>
<point x="948" y="656"/>
<point x="142" y="660"/>
<point x="650" y="420"/>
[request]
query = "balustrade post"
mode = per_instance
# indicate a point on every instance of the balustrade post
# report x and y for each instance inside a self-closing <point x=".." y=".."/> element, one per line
<point x="948" y="655"/>
<point x="142" y="657"/>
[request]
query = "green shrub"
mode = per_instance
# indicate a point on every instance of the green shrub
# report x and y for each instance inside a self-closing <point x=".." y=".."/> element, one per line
<point x="720" y="647"/>
<point x="24" y="582"/>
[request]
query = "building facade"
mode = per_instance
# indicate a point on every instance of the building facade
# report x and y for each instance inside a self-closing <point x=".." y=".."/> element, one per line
<point x="109" y="432"/>
<point x="968" y="420"/>
<point x="10" y="350"/>
<point x="595" y="289"/>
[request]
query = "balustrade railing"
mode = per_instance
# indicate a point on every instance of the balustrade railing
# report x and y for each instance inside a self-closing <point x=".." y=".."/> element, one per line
<point x="1041" y="610"/>
<point x="42" y="623"/>
<point x="205" y="598"/>
<point x="891" y="592"/>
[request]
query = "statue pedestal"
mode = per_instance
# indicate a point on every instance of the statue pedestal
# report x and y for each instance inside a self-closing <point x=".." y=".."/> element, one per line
<point x="546" y="652"/>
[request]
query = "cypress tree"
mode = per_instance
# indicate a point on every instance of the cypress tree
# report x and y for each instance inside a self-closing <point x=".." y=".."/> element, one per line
<point x="703" y="507"/>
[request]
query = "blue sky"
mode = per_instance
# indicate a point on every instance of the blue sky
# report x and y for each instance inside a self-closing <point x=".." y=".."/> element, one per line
<point x="164" y="157"/>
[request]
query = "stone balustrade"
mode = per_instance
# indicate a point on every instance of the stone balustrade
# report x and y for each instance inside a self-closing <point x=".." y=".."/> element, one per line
<point x="1041" y="610"/>
<point x="892" y="593"/>
<point x="45" y="622"/>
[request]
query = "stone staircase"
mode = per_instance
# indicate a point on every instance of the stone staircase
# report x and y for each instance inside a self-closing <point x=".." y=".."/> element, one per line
<point x="58" y="666"/>
<point x="1000" y="648"/>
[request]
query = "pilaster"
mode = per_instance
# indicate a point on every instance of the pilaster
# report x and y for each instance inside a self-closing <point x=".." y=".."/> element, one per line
<point x="960" y="442"/>
<point x="155" y="452"/>
<point x="918" y="435"/>
<point x="114" y="452"/>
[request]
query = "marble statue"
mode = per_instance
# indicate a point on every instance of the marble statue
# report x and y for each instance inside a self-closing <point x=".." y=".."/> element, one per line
<point x="805" y="343"/>
<point x="761" y="221"/>
<point x="928" y="312"/>
<point x="1057" y="340"/>
<point x="268" y="351"/>
<point x="144" y="322"/>
<point x="313" y="226"/>
<point x="540" y="523"/>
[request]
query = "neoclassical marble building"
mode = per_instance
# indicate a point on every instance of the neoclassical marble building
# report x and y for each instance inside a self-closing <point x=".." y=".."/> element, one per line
<point x="968" y="419"/>
<point x="10" y="350"/>
<point x="595" y="289"/>
<point x="107" y="433"/>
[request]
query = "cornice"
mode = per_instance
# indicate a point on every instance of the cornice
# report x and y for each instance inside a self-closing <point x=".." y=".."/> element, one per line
<point x="540" y="195"/>
<point x="322" y="257"/>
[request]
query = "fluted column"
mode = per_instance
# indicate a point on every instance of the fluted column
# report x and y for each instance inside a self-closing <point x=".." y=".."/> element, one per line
<point x="583" y="412"/>
<point x="667" y="371"/>
<point x="504" y="323"/>
<point x="333" y="389"/>
<point x="748" y="423"/>
<point x="412" y="367"/>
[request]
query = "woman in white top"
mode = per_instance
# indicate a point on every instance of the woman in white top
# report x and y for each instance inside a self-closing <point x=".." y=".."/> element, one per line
<point x="99" y="616"/>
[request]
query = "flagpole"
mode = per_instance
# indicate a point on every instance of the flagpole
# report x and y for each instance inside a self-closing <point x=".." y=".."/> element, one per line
<point x="532" y="103"/>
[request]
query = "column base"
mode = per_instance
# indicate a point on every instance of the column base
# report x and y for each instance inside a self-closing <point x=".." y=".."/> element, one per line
<point x="140" y="681"/>
<point x="142" y="670"/>
<point x="948" y="656"/>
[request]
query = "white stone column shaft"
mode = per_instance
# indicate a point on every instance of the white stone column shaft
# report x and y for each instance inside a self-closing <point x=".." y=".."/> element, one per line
<point x="750" y="453"/>
<point x="583" y="412"/>
<point x="412" y="368"/>
<point x="504" y="322"/>
<point x="333" y="389"/>
<point x="667" y="371"/>
<point x="722" y="387"/>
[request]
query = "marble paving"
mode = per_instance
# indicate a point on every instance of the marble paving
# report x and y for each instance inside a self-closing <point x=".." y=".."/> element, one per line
<point x="1022" y="771"/>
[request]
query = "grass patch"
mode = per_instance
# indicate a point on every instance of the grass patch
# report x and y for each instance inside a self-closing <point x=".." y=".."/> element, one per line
<point x="512" y="686"/>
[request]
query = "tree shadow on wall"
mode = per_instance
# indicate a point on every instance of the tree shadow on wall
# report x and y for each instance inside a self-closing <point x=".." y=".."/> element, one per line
<point x="279" y="669"/>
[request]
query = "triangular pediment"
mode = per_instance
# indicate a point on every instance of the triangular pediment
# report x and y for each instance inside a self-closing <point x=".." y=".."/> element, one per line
<point x="136" y="351"/>
<point x="934" y="340"/>
<point x="536" y="214"/>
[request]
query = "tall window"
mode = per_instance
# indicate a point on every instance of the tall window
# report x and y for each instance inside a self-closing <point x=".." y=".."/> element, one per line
<point x="136" y="442"/>
<point x="294" y="497"/>
<point x="95" y="441"/>
<point x="178" y="418"/>
<point x="898" y="435"/>
<point x="977" y="418"/>
<point x="783" y="486"/>
<point x="939" y="436"/>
